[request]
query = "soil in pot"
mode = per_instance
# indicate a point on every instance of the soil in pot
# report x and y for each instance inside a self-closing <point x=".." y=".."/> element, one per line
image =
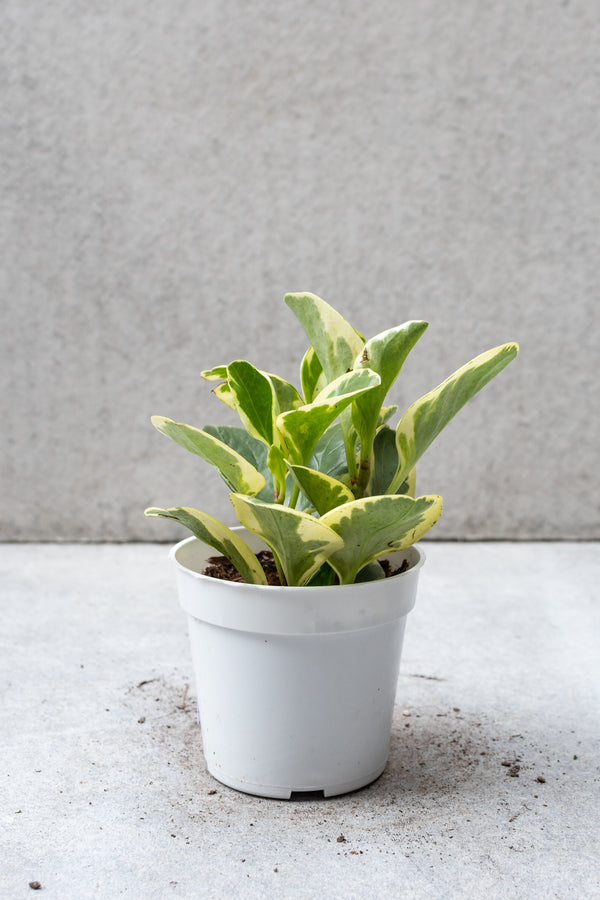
<point x="220" y="567"/>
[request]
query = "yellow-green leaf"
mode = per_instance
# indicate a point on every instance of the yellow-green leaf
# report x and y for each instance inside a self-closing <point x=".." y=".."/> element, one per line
<point x="312" y="375"/>
<point x="224" y="393"/>
<point x="238" y="473"/>
<point x="335" y="341"/>
<point x="215" y="534"/>
<point x="323" y="491"/>
<point x="385" y="354"/>
<point x="253" y="450"/>
<point x="300" y="543"/>
<point x="374" y="526"/>
<point x="286" y="395"/>
<point x="425" y="419"/>
<point x="217" y="373"/>
<point x="385" y="414"/>
<point x="278" y="469"/>
<point x="301" y="428"/>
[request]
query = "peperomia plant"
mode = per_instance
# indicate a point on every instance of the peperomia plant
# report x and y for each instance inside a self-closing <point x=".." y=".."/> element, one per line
<point x="318" y="474"/>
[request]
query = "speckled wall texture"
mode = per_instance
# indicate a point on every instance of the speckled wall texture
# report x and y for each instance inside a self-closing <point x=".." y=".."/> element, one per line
<point x="171" y="169"/>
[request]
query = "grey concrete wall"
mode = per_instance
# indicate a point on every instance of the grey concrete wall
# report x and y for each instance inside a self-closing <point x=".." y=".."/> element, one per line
<point x="170" y="169"/>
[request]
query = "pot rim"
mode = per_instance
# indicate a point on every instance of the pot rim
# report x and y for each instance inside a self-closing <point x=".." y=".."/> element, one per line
<point x="272" y="588"/>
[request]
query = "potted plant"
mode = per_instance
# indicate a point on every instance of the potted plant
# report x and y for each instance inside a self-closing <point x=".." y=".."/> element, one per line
<point x="296" y="678"/>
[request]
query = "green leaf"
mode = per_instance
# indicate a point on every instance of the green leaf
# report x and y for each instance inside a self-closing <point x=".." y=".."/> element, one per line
<point x="335" y="341"/>
<point x="312" y="375"/>
<point x="300" y="543"/>
<point x="373" y="571"/>
<point x="301" y="428"/>
<point x="374" y="526"/>
<point x="329" y="455"/>
<point x="215" y="534"/>
<point x="324" y="577"/>
<point x="385" y="354"/>
<point x="425" y="419"/>
<point x="238" y="473"/>
<point x="324" y="492"/>
<point x="250" y="448"/>
<point x="386" y="465"/>
<point x="385" y="460"/>
<point x="254" y="399"/>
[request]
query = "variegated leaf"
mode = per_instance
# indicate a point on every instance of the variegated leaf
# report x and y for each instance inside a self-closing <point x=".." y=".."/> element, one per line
<point x="385" y="354"/>
<point x="425" y="419"/>
<point x="335" y="341"/>
<point x="328" y="457"/>
<point x="374" y="526"/>
<point x="278" y="468"/>
<point x="385" y="414"/>
<point x="312" y="375"/>
<point x="215" y="534"/>
<point x="300" y="543"/>
<point x="286" y="395"/>
<point x="322" y="491"/>
<point x="350" y="384"/>
<point x="250" y="448"/>
<point x="224" y="393"/>
<point x="217" y="373"/>
<point x="301" y="428"/>
<point x="238" y="473"/>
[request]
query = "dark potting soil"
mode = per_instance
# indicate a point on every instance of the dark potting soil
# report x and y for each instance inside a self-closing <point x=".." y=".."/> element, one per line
<point x="220" y="567"/>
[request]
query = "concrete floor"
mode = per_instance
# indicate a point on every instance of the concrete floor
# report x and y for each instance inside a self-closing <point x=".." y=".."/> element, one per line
<point x="106" y="792"/>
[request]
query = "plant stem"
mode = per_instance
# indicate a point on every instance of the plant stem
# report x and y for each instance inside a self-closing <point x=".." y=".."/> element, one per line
<point x="365" y="467"/>
<point x="364" y="476"/>
<point x="350" y="437"/>
<point x="294" y="497"/>
<point x="279" y="492"/>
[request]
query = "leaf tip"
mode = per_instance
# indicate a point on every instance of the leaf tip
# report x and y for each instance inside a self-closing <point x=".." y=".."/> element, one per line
<point x="156" y="511"/>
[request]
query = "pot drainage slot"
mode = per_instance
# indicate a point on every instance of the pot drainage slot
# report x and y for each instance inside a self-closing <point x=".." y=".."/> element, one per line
<point x="307" y="795"/>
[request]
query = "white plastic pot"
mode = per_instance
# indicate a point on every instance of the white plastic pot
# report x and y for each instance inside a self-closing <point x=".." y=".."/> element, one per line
<point x="296" y="685"/>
